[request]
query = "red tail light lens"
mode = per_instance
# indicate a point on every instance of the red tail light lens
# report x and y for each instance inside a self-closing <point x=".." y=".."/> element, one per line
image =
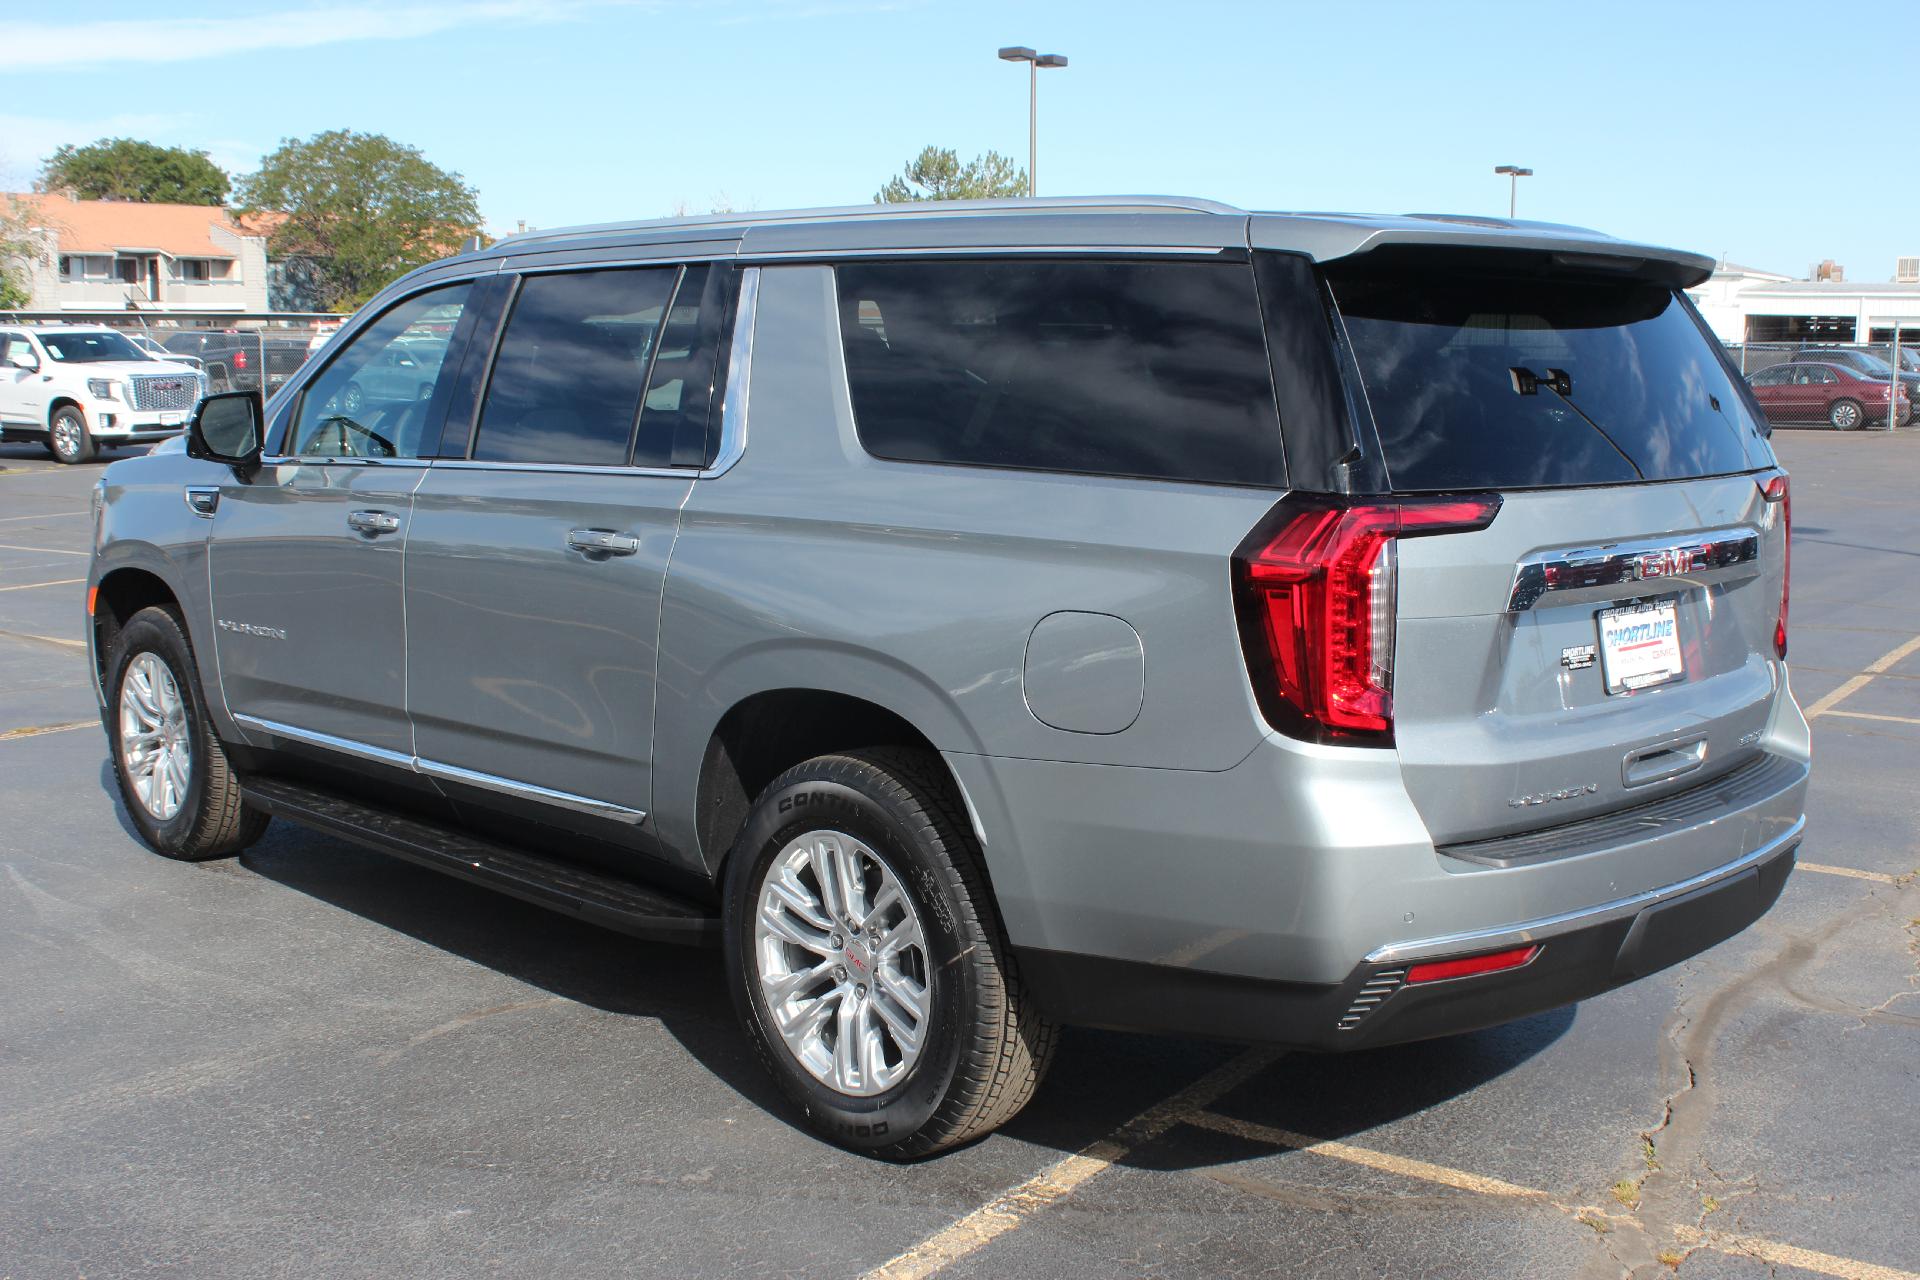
<point x="1315" y="586"/>
<point x="1467" y="966"/>
<point x="1774" y="488"/>
<point x="239" y="359"/>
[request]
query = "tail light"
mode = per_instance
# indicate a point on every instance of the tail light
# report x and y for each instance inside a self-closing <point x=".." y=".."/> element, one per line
<point x="239" y="359"/>
<point x="1774" y="488"/>
<point x="1315" y="585"/>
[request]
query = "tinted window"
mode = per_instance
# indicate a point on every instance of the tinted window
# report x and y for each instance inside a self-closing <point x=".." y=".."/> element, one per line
<point x="566" y="386"/>
<point x="1154" y="369"/>
<point x="380" y="395"/>
<point x="89" y="348"/>
<point x="673" y="417"/>
<point x="1461" y="369"/>
<point x="1771" y="377"/>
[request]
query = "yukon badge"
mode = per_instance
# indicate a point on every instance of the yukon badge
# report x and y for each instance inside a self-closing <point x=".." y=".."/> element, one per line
<point x="252" y="629"/>
<point x="1548" y="797"/>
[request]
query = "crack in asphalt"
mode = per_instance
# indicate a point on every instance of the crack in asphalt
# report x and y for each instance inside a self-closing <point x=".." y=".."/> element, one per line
<point x="1673" y="1175"/>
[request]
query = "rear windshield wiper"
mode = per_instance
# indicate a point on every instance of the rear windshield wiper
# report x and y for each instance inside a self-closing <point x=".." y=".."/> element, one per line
<point x="1528" y="383"/>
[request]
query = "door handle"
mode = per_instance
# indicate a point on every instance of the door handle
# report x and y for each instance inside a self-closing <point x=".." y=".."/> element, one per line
<point x="372" y="523"/>
<point x="602" y="542"/>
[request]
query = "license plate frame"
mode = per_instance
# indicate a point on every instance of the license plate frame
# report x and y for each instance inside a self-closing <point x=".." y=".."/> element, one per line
<point x="1632" y="660"/>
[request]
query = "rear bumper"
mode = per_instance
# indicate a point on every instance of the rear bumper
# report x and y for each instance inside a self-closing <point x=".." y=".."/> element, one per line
<point x="1582" y="954"/>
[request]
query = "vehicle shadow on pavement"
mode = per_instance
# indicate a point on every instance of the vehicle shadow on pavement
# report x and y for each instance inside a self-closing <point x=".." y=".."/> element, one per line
<point x="1099" y="1080"/>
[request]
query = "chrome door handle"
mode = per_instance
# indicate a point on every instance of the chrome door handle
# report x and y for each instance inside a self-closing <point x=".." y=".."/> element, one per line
<point x="203" y="499"/>
<point x="372" y="523"/>
<point x="602" y="542"/>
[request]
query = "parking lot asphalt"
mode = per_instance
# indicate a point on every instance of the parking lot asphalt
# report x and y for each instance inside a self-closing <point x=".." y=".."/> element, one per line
<point x="313" y="1061"/>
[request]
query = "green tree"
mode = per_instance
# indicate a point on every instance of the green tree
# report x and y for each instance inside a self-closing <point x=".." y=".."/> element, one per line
<point x="937" y="174"/>
<point x="17" y="248"/>
<point x="127" y="169"/>
<point x="361" y="208"/>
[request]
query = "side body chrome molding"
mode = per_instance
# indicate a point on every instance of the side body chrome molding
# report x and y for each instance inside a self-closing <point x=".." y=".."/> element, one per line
<point x="444" y="772"/>
<point x="1694" y="556"/>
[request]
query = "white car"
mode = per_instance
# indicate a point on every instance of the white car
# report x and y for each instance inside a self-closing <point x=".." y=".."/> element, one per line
<point x="79" y="389"/>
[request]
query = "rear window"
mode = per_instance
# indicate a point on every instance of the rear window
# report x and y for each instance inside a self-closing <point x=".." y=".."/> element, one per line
<point x="1481" y="380"/>
<point x="1154" y="369"/>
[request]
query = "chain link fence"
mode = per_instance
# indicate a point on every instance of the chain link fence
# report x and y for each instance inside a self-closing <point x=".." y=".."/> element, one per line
<point x="1849" y="386"/>
<point x="237" y="353"/>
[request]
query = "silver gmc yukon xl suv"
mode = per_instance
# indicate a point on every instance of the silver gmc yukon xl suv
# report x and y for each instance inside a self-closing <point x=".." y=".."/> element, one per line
<point x="1139" y="613"/>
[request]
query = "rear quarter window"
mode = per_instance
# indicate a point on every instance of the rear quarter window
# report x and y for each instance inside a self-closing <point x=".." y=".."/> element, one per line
<point x="1151" y="369"/>
<point x="1478" y="379"/>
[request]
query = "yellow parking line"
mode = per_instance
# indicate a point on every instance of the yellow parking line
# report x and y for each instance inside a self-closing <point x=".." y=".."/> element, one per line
<point x="1880" y="877"/>
<point x="28" y="586"/>
<point x="1786" y="1255"/>
<point x="52" y="551"/>
<point x="1011" y="1208"/>
<point x="35" y="731"/>
<point x="1740" y="1246"/>
<point x="1870" y="715"/>
<point x="1380" y="1160"/>
<point x="26" y="635"/>
<point x="50" y="515"/>
<point x="1861" y="681"/>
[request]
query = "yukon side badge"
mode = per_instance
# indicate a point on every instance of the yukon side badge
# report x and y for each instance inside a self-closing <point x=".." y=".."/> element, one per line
<point x="1577" y="657"/>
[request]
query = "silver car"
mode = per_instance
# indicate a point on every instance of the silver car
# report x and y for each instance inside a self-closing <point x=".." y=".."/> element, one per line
<point x="978" y="618"/>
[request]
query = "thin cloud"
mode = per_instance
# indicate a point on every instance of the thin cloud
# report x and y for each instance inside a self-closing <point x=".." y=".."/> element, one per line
<point x="41" y="46"/>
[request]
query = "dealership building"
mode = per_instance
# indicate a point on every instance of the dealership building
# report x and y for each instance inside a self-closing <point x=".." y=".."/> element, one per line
<point x="1745" y="304"/>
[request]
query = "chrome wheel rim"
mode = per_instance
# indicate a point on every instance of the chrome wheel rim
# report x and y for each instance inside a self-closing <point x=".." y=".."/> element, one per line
<point x="1844" y="416"/>
<point x="842" y="963"/>
<point x="156" y="754"/>
<point x="66" y="437"/>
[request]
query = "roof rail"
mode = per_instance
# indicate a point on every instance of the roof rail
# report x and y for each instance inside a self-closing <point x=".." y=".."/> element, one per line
<point x="924" y="208"/>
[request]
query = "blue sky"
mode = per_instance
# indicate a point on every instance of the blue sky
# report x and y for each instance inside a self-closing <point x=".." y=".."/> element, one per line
<point x="1654" y="121"/>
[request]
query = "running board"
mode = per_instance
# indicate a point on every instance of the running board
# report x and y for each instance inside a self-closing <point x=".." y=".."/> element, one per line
<point x="623" y="905"/>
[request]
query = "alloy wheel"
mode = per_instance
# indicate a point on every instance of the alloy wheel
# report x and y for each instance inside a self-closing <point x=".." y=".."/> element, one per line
<point x="156" y="752"/>
<point x="842" y="962"/>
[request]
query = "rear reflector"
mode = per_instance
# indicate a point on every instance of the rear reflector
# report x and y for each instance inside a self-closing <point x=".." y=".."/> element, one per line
<point x="1315" y="587"/>
<point x="1467" y="966"/>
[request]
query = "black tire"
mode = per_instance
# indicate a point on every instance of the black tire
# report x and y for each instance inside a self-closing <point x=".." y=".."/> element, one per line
<point x="985" y="1046"/>
<point x="68" y="439"/>
<point x="212" y="821"/>
<point x="1846" y="415"/>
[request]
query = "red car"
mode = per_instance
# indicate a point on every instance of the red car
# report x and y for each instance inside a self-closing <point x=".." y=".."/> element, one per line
<point x="1830" y="393"/>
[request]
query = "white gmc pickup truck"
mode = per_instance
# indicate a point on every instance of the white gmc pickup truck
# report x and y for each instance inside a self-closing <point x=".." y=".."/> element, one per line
<point x="80" y="389"/>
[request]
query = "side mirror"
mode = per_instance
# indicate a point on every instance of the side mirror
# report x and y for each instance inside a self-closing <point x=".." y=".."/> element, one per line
<point x="227" y="428"/>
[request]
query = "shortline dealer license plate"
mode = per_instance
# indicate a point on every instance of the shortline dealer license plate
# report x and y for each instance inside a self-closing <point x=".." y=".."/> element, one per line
<point x="1640" y="645"/>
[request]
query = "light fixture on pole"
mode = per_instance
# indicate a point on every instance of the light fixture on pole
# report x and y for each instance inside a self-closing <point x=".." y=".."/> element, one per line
<point x="1514" y="173"/>
<point x="1034" y="61"/>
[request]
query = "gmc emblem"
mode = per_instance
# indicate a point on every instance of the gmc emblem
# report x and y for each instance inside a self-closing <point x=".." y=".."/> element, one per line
<point x="1666" y="563"/>
<point x="166" y="386"/>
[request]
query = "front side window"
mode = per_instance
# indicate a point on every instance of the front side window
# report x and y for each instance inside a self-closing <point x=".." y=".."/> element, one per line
<point x="1125" y="368"/>
<point x="1772" y="377"/>
<point x="567" y="383"/>
<point x="369" y="402"/>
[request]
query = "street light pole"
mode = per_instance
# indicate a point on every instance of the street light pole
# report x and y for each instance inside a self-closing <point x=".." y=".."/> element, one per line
<point x="1034" y="61"/>
<point x="1514" y="173"/>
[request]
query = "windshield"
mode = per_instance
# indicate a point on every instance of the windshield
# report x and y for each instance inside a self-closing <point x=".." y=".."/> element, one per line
<point x="89" y="348"/>
<point x="1480" y="380"/>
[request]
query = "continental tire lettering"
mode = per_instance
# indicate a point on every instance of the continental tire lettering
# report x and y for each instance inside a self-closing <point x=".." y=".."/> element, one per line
<point x="878" y="1129"/>
<point x="936" y="900"/>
